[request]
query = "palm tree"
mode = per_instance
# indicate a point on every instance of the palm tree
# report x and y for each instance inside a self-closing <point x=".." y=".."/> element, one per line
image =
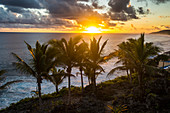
<point x="137" y="55"/>
<point x="140" y="56"/>
<point x="95" y="58"/>
<point x="37" y="65"/>
<point x="56" y="78"/>
<point x="82" y="54"/>
<point x="68" y="55"/>
<point x="88" y="72"/>
<point x="120" y="53"/>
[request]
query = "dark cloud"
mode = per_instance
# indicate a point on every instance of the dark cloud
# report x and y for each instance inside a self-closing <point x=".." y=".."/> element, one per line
<point x="6" y="16"/>
<point x="30" y="18"/>
<point x="15" y="9"/>
<point x="30" y="13"/>
<point x="154" y="1"/>
<point x="96" y="5"/>
<point x="83" y="0"/>
<point x="142" y="11"/>
<point x="111" y="24"/>
<point x="160" y="1"/>
<point x="23" y="3"/>
<point x="118" y="5"/>
<point x="59" y="13"/>
<point x="119" y="16"/>
<point x="121" y="10"/>
<point x="122" y="16"/>
<point x="69" y="9"/>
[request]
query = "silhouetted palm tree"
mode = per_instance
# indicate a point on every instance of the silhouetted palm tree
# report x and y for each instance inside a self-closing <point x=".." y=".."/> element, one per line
<point x="68" y="55"/>
<point x="37" y="65"/>
<point x="95" y="58"/>
<point x="137" y="55"/>
<point x="120" y="53"/>
<point x="88" y="72"/>
<point x="56" y="78"/>
<point x="140" y="56"/>
<point x="82" y="54"/>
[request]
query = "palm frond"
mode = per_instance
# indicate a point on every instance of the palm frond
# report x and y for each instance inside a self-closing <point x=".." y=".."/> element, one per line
<point x="44" y="47"/>
<point x="77" y="39"/>
<point x="30" y="49"/>
<point x="2" y="72"/>
<point x="118" y="62"/>
<point x="104" y="44"/>
<point x="116" y="69"/>
<point x="22" y="66"/>
<point x="9" y="83"/>
<point x="64" y="46"/>
<point x="98" y="42"/>
<point x="100" y="68"/>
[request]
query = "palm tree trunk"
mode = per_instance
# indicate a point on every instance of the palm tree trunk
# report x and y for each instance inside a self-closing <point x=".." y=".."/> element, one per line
<point x="82" y="86"/>
<point x="39" y="90"/>
<point x="69" y="91"/>
<point x="89" y="80"/>
<point x="131" y="71"/>
<point x="69" y="86"/>
<point x="94" y="81"/>
<point x="129" y="76"/>
<point x="56" y="87"/>
<point x="140" y="78"/>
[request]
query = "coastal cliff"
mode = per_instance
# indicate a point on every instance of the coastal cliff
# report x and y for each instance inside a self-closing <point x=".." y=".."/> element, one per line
<point x="166" y="32"/>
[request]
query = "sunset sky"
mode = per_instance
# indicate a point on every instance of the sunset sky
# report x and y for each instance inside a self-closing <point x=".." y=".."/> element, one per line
<point x="84" y="16"/>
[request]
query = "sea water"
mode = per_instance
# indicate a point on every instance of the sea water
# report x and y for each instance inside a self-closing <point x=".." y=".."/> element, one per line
<point x="14" y="42"/>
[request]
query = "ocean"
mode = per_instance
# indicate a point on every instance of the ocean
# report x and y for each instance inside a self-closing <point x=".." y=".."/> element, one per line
<point x="14" y="42"/>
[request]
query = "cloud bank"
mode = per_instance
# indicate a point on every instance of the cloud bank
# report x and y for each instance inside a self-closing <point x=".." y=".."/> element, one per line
<point x="67" y="13"/>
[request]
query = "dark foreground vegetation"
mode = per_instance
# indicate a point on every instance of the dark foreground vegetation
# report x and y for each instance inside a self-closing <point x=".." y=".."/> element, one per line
<point x="115" y="96"/>
<point x="145" y="88"/>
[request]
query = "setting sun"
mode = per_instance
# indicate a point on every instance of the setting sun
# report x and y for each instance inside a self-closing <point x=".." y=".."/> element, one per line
<point x="92" y="30"/>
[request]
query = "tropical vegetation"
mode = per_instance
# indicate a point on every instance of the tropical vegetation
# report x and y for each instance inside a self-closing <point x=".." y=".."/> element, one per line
<point x="68" y="52"/>
<point x="135" y="55"/>
<point x="56" y="77"/>
<point x="94" y="58"/>
<point x="37" y="66"/>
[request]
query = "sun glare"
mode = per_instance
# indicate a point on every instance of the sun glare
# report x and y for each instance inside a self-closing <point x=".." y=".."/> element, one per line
<point x="92" y="30"/>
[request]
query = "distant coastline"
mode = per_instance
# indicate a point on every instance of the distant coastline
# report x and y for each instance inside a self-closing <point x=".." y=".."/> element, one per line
<point x="165" y="32"/>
